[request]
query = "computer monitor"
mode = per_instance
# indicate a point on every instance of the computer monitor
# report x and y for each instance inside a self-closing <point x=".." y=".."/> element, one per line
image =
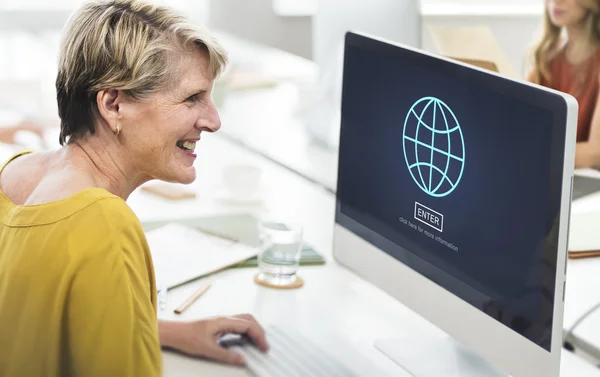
<point x="453" y="196"/>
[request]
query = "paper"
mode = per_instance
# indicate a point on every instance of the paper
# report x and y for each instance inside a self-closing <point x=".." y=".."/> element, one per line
<point x="478" y="63"/>
<point x="472" y="42"/>
<point x="181" y="253"/>
<point x="585" y="228"/>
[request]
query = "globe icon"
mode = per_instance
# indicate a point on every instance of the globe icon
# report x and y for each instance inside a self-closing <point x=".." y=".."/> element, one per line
<point x="434" y="147"/>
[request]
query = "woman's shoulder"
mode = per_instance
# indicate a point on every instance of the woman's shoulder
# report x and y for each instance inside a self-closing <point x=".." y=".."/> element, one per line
<point x="10" y="152"/>
<point x="19" y="176"/>
<point x="20" y="160"/>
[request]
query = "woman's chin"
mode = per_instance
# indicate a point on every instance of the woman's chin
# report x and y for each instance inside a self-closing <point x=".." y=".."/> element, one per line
<point x="558" y="21"/>
<point x="187" y="178"/>
<point x="185" y="175"/>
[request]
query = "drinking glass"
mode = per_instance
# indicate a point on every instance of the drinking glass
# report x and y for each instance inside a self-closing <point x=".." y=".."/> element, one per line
<point x="279" y="252"/>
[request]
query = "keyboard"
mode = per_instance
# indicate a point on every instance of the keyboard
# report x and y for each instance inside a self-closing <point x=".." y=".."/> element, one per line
<point x="290" y="355"/>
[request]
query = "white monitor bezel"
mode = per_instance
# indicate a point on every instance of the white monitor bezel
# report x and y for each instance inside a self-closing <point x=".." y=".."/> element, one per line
<point x="502" y="346"/>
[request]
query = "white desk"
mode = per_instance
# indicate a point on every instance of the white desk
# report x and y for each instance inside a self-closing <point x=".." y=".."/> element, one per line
<point x="333" y="305"/>
<point x="270" y="112"/>
<point x="583" y="280"/>
<point x="331" y="299"/>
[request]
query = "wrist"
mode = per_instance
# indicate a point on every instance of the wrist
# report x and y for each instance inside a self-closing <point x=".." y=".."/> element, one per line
<point x="171" y="333"/>
<point x="585" y="156"/>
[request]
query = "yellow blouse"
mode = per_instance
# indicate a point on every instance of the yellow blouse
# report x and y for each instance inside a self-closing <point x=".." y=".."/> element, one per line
<point x="77" y="292"/>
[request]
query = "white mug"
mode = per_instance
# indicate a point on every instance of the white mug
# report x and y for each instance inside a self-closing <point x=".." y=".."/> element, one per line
<point x="241" y="180"/>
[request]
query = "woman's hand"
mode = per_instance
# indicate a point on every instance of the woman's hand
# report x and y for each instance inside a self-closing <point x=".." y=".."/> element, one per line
<point x="199" y="338"/>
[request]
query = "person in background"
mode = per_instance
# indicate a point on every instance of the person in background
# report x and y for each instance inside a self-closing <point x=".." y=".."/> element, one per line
<point x="567" y="58"/>
<point x="77" y="284"/>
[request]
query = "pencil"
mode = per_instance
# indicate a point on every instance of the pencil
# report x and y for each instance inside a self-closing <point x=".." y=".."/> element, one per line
<point x="580" y="254"/>
<point x="183" y="307"/>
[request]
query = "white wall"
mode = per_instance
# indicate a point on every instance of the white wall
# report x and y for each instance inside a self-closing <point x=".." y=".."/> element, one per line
<point x="256" y="20"/>
<point x="514" y="22"/>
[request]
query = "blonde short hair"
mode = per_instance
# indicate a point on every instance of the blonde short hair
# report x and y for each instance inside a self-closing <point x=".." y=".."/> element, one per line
<point x="128" y="45"/>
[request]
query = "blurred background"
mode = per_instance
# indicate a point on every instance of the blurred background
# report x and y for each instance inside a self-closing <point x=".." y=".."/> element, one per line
<point x="284" y="80"/>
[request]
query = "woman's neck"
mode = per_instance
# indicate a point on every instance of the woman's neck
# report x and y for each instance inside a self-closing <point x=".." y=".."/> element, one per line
<point x="579" y="46"/>
<point x="102" y="165"/>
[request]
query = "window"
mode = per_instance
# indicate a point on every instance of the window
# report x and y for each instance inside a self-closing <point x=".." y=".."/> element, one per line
<point x="29" y="42"/>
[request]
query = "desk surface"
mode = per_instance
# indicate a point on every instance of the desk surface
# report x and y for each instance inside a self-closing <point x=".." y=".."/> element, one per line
<point x="336" y="308"/>
<point x="332" y="287"/>
<point x="356" y="314"/>
<point x="273" y="112"/>
<point x="583" y="278"/>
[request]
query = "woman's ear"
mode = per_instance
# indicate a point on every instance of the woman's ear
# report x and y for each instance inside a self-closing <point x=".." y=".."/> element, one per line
<point x="109" y="103"/>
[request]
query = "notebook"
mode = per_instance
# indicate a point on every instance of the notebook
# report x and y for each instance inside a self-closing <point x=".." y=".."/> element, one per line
<point x="181" y="254"/>
<point x="308" y="257"/>
<point x="475" y="43"/>
<point x="584" y="238"/>
<point x="240" y="229"/>
<point x="244" y="228"/>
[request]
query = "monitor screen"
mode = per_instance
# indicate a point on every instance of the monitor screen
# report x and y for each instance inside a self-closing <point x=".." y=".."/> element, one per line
<point x="457" y="174"/>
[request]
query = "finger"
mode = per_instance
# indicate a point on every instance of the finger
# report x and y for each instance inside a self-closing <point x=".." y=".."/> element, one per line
<point x="219" y="353"/>
<point x="250" y="317"/>
<point x="244" y="327"/>
<point x="247" y="317"/>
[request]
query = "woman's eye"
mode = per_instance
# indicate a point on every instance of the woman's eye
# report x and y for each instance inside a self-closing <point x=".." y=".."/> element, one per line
<point x="194" y="97"/>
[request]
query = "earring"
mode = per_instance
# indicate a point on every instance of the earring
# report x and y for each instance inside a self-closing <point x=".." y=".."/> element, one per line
<point x="116" y="132"/>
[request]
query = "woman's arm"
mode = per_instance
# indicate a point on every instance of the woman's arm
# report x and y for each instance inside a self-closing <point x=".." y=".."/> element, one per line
<point x="587" y="154"/>
<point x="111" y="321"/>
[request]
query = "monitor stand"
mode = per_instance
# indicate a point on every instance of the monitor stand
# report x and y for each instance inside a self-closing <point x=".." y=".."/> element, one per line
<point x="440" y="357"/>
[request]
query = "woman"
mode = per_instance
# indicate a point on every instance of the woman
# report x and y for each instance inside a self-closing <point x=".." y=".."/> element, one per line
<point x="77" y="291"/>
<point x="567" y="58"/>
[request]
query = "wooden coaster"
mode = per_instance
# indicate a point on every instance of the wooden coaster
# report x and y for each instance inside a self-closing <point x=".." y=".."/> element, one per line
<point x="296" y="284"/>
